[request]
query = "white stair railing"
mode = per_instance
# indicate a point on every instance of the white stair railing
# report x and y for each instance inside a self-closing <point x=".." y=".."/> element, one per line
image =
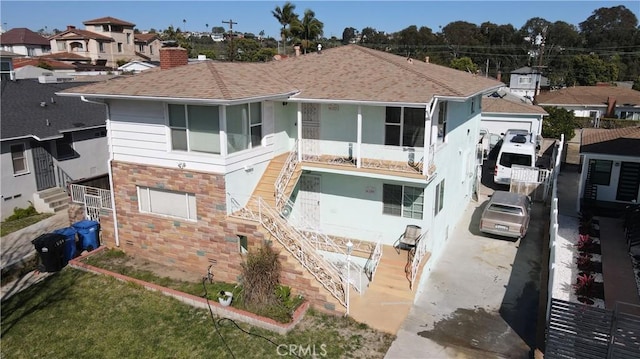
<point x="420" y="251"/>
<point x="320" y="241"/>
<point x="285" y="176"/>
<point x="372" y="263"/>
<point x="78" y="193"/>
<point x="332" y="278"/>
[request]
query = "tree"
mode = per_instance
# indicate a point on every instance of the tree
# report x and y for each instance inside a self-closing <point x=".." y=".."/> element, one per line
<point x="612" y="27"/>
<point x="636" y="84"/>
<point x="286" y="17"/>
<point x="464" y="64"/>
<point x="217" y="30"/>
<point x="348" y="34"/>
<point x="587" y="70"/>
<point x="559" y="121"/>
<point x="311" y="28"/>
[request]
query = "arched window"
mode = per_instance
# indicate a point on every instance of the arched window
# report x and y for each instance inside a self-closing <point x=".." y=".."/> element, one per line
<point x="76" y="46"/>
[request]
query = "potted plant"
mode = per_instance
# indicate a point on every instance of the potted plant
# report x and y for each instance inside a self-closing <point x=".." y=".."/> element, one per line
<point x="584" y="261"/>
<point x="584" y="285"/>
<point x="225" y="298"/>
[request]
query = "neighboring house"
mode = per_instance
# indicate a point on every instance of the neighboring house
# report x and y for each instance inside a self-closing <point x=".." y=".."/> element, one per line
<point x="105" y="41"/>
<point x="349" y="144"/>
<point x="527" y="82"/>
<point x="595" y="101"/>
<point x="7" y="72"/>
<point x="503" y="111"/>
<point x="136" y="66"/>
<point x="32" y="68"/>
<point x="610" y="176"/>
<point x="24" y="42"/>
<point x="46" y="141"/>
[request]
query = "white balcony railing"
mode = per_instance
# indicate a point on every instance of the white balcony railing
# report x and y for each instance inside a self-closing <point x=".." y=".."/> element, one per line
<point x="394" y="158"/>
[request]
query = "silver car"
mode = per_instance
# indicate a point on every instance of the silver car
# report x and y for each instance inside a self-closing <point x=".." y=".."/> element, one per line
<point x="506" y="214"/>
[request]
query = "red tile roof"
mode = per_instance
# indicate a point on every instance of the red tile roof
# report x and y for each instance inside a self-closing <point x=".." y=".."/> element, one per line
<point x="55" y="65"/>
<point x="108" y="20"/>
<point x="618" y="141"/>
<point x="346" y="73"/>
<point x="146" y="38"/>
<point x="22" y="36"/>
<point x="589" y="95"/>
<point x="77" y="34"/>
<point x="66" y="56"/>
<point x="502" y="105"/>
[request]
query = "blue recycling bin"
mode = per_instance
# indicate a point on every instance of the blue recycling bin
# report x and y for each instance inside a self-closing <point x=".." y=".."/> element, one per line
<point x="88" y="234"/>
<point x="70" y="243"/>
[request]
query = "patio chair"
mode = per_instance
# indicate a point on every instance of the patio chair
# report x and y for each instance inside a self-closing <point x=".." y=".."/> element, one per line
<point x="409" y="239"/>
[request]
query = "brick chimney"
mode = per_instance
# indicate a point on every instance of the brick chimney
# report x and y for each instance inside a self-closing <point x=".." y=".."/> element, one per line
<point x="297" y="48"/>
<point x="426" y="59"/>
<point x="71" y="27"/>
<point x="611" y="107"/>
<point x="171" y="57"/>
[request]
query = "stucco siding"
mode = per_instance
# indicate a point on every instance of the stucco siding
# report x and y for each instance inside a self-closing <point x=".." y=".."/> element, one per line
<point x="17" y="190"/>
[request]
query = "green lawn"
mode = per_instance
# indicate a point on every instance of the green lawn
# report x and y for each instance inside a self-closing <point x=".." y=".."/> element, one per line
<point x="74" y="314"/>
<point x="12" y="226"/>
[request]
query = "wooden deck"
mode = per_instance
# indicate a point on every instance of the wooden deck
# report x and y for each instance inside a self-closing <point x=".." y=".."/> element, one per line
<point x="385" y="304"/>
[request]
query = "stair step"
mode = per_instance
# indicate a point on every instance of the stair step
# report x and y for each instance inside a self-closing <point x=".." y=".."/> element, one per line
<point x="52" y="199"/>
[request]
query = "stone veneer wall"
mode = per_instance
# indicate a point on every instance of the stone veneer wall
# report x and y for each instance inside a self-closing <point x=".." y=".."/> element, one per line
<point x="212" y="239"/>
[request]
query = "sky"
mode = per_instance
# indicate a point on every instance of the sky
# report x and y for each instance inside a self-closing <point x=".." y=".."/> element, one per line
<point x="256" y="16"/>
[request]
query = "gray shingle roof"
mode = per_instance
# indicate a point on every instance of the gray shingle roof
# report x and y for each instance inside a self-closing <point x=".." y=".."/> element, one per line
<point x="346" y="73"/>
<point x="618" y="141"/>
<point x="22" y="113"/>
<point x="589" y="95"/>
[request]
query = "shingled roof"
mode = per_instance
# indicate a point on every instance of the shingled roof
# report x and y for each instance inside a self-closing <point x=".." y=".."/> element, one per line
<point x="27" y="109"/>
<point x="76" y="34"/>
<point x="146" y="38"/>
<point x="346" y="73"/>
<point x="589" y="95"/>
<point x="23" y="36"/>
<point x="618" y="141"/>
<point x="504" y="105"/>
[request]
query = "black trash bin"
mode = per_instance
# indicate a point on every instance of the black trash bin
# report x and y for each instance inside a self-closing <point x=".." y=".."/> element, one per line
<point x="70" y="243"/>
<point x="50" y="247"/>
<point x="88" y="234"/>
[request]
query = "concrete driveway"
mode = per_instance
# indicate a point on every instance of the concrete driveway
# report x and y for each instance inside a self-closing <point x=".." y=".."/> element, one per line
<point x="481" y="298"/>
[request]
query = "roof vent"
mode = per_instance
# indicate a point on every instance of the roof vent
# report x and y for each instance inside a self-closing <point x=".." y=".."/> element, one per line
<point x="43" y="104"/>
<point x="519" y="139"/>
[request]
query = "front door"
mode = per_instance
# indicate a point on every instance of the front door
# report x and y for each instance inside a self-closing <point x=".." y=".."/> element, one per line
<point x="309" y="197"/>
<point x="43" y="164"/>
<point x="310" y="130"/>
<point x="628" y="182"/>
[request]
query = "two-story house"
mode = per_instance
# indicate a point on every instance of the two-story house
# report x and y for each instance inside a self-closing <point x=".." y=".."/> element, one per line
<point x="340" y="149"/>
<point x="527" y="82"/>
<point x="46" y="142"/>
<point x="24" y="42"/>
<point x="106" y="41"/>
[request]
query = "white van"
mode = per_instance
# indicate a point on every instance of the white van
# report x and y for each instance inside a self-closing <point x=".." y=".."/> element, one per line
<point x="518" y="148"/>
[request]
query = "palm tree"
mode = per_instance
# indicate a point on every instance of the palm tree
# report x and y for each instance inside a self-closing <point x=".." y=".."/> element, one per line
<point x="286" y="17"/>
<point x="311" y="28"/>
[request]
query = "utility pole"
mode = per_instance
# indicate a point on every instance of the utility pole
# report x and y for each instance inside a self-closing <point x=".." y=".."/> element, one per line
<point x="231" y="23"/>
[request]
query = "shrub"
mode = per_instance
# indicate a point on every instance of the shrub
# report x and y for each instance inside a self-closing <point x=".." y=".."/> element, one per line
<point x="261" y="277"/>
<point x="19" y="213"/>
<point x="584" y="284"/>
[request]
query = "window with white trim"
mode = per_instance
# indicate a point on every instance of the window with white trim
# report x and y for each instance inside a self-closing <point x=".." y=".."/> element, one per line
<point x="402" y="201"/>
<point x="404" y="126"/>
<point x="524" y="80"/>
<point x="439" y="197"/>
<point x="194" y="128"/>
<point x="167" y="203"/>
<point x="442" y="121"/>
<point x="19" y="159"/>
<point x="244" y="126"/>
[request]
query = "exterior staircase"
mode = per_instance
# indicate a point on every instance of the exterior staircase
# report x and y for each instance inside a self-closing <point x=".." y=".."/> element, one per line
<point x="51" y="200"/>
<point x="386" y="302"/>
<point x="266" y="186"/>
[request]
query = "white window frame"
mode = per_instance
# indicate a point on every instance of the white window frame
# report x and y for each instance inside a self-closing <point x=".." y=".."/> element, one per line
<point x="186" y="128"/>
<point x="147" y="193"/>
<point x="443" y="114"/>
<point x="23" y="158"/>
<point x="439" y="198"/>
<point x="524" y="80"/>
<point x="405" y="211"/>
<point x="401" y="125"/>
<point x="247" y="127"/>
